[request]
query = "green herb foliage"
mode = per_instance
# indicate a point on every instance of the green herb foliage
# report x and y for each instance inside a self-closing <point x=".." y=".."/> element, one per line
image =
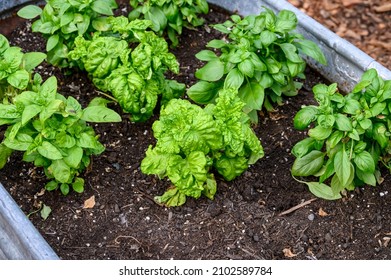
<point x="192" y="141"/>
<point x="15" y="69"/>
<point x="170" y="15"/>
<point x="135" y="76"/>
<point x="61" y="21"/>
<point x="261" y="58"/>
<point x="350" y="136"/>
<point x="52" y="132"/>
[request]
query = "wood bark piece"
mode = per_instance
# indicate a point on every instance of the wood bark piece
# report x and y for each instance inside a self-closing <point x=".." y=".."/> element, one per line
<point x="294" y="208"/>
<point x="383" y="8"/>
<point x="348" y="3"/>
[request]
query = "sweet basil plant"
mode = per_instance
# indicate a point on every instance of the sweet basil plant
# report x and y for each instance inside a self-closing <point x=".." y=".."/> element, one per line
<point x="135" y="76"/>
<point x="260" y="56"/>
<point x="52" y="132"/>
<point x="61" y="21"/>
<point x="15" y="69"/>
<point x="349" y="137"/>
<point x="170" y="15"/>
<point x="193" y="142"/>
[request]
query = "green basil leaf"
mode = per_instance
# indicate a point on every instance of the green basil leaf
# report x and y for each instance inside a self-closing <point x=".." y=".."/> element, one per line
<point x="354" y="135"/>
<point x="88" y="141"/>
<point x="83" y="25"/>
<point x="74" y="156"/>
<point x="247" y="68"/>
<point x="9" y="111"/>
<point x="172" y="198"/>
<point x="102" y="7"/>
<point x="223" y="29"/>
<point x="361" y="85"/>
<point x="64" y="188"/>
<point x="257" y="62"/>
<point x="157" y="17"/>
<point x="305" y="117"/>
<point x="234" y="79"/>
<point x="19" y="79"/>
<point x="265" y="80"/>
<point x="30" y="12"/>
<point x="308" y="164"/>
<point x="211" y="72"/>
<point x="100" y="114"/>
<point x="286" y="21"/>
<point x="295" y="68"/>
<point x="343" y="123"/>
<point x="154" y="162"/>
<point x="48" y="89"/>
<point x="204" y="92"/>
<point x="66" y="18"/>
<point x="203" y="6"/>
<point x="51" y="107"/>
<point x="335" y="138"/>
<point x="52" y="42"/>
<point x="320" y="133"/>
<point x="378" y="132"/>
<point x="60" y="170"/>
<point x="30" y="112"/>
<point x="101" y="24"/>
<point x="367" y="177"/>
<point x="290" y="52"/>
<point x="342" y="167"/>
<point x="360" y="147"/>
<point x="267" y="38"/>
<point x="97" y="101"/>
<point x="377" y="109"/>
<point x="78" y="185"/>
<point x="49" y="151"/>
<point x="322" y="191"/>
<point x="328" y="171"/>
<point x="253" y="95"/>
<point x="21" y="142"/>
<point x="5" y="153"/>
<point x="210" y="187"/>
<point x="216" y="44"/>
<point x="45" y="211"/>
<point x="206" y="55"/>
<point x="312" y="50"/>
<point x="273" y="66"/>
<point x="365" y="124"/>
<point x="32" y="60"/>
<point x="51" y="186"/>
<point x="364" y="161"/>
<point x="302" y="147"/>
<point x="352" y="107"/>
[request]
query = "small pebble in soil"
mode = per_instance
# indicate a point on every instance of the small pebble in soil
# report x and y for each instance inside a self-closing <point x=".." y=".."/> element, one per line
<point x="256" y="237"/>
<point x="311" y="217"/>
<point x="116" y="166"/>
<point x="123" y="219"/>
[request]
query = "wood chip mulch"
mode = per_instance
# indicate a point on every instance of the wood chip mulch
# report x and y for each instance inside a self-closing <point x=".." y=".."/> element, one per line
<point x="364" y="23"/>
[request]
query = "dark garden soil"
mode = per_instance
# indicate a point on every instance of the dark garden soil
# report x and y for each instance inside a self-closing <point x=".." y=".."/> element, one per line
<point x="246" y="219"/>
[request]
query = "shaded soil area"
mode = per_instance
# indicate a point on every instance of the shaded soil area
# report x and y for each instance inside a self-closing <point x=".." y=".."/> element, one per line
<point x="244" y="221"/>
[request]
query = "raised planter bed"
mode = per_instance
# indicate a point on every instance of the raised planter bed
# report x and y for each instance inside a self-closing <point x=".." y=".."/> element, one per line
<point x="20" y="240"/>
